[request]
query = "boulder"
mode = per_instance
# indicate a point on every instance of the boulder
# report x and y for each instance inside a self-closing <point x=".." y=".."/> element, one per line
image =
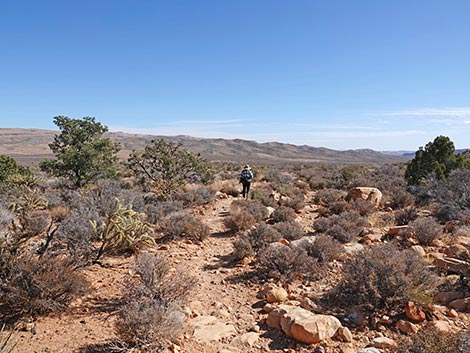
<point x="415" y="313"/>
<point x="373" y="195"/>
<point x="303" y="325"/>
<point x="460" y="304"/>
<point x="209" y="328"/>
<point x="446" y="297"/>
<point x="406" y="327"/>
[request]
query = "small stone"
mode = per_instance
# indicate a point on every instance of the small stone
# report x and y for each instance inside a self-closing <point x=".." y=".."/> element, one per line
<point x="384" y="343"/>
<point x="277" y="295"/>
<point x="268" y="308"/>
<point x="344" y="334"/>
<point x="440" y="326"/>
<point x="460" y="304"/>
<point x="369" y="350"/>
<point x="446" y="297"/>
<point x="406" y="327"/>
<point x="452" y="313"/>
<point x="320" y="349"/>
<point x="414" y="313"/>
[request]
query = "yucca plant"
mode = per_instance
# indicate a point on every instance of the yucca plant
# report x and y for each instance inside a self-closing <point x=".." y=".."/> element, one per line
<point x="123" y="230"/>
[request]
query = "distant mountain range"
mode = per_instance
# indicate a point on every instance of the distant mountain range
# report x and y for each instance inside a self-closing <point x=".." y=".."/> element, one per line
<point x="29" y="146"/>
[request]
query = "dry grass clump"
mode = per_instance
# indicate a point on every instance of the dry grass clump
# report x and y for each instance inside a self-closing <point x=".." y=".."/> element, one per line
<point x="152" y="312"/>
<point x="283" y="214"/>
<point x="343" y="227"/>
<point x="230" y="187"/>
<point x="425" y="230"/>
<point x="406" y="215"/>
<point x="182" y="224"/>
<point x="32" y="285"/>
<point x="159" y="210"/>
<point x="242" y="248"/>
<point x="433" y="341"/>
<point x="383" y="278"/>
<point x="264" y="194"/>
<point x="363" y="207"/>
<point x="245" y="214"/>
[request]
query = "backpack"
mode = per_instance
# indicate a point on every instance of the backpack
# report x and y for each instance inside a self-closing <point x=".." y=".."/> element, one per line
<point x="246" y="176"/>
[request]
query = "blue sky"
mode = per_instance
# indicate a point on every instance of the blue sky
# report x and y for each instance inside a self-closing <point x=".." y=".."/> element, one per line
<point x="386" y="75"/>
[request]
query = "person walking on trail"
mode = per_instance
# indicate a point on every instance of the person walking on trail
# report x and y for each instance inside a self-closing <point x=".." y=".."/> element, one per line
<point x="246" y="177"/>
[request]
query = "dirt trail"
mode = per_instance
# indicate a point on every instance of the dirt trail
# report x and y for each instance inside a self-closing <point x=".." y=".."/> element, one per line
<point x="88" y="325"/>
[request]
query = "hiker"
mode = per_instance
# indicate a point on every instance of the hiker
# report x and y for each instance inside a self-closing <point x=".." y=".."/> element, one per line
<point x="246" y="176"/>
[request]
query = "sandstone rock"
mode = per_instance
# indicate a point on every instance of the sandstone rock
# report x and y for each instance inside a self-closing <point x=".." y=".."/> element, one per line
<point x="246" y="340"/>
<point x="277" y="295"/>
<point x="414" y="313"/>
<point x="461" y="305"/>
<point x="452" y="313"/>
<point x="393" y="231"/>
<point x="447" y="297"/>
<point x="302" y="325"/>
<point x="456" y="265"/>
<point x="369" y="350"/>
<point x="457" y="250"/>
<point x="406" y="327"/>
<point x="309" y="304"/>
<point x="372" y="238"/>
<point x="344" y="334"/>
<point x="384" y="343"/>
<point x="270" y="210"/>
<point x="209" y="328"/>
<point x="462" y="240"/>
<point x="418" y="249"/>
<point x="268" y="308"/>
<point x="440" y="325"/>
<point x="373" y="195"/>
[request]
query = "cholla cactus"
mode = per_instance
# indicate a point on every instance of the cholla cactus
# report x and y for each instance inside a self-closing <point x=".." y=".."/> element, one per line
<point x="123" y="230"/>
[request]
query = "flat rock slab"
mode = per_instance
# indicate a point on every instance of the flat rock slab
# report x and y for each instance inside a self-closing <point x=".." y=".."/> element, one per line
<point x="209" y="329"/>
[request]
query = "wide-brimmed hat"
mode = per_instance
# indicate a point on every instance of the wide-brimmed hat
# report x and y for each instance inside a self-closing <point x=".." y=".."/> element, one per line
<point x="246" y="167"/>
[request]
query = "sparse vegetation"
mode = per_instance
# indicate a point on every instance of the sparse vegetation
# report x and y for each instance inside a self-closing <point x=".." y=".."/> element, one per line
<point x="245" y="214"/>
<point x="433" y="341"/>
<point x="181" y="224"/>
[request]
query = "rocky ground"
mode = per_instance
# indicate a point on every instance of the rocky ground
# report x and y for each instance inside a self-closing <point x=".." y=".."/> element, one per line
<point x="226" y="312"/>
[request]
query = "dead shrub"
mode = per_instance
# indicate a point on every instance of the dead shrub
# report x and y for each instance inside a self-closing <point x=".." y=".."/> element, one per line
<point x="263" y="235"/>
<point x="264" y="194"/>
<point x="406" y="215"/>
<point x="152" y="311"/>
<point x="182" y="224"/>
<point x="433" y="341"/>
<point x="231" y="188"/>
<point x="289" y="230"/>
<point x="425" y="230"/>
<point x="400" y="198"/>
<point x="382" y="279"/>
<point x="245" y="214"/>
<point x="326" y="197"/>
<point x="158" y="211"/>
<point x="283" y="214"/>
<point x="31" y="286"/>
<point x="288" y="263"/>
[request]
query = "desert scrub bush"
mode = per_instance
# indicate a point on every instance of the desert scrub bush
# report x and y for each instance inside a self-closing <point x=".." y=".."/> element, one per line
<point x="433" y="341"/>
<point x="122" y="231"/>
<point x="283" y="214"/>
<point x="242" y="248"/>
<point x="324" y="248"/>
<point x="12" y="174"/>
<point x="382" y="279"/>
<point x="265" y="195"/>
<point x="199" y="195"/>
<point x="363" y="207"/>
<point x="245" y="214"/>
<point x="326" y="197"/>
<point x="425" y="230"/>
<point x="32" y="285"/>
<point x="230" y="187"/>
<point x="400" y="198"/>
<point x="263" y="235"/>
<point x="152" y="311"/>
<point x="289" y="230"/>
<point x="157" y="211"/>
<point x="294" y="198"/>
<point x="405" y="216"/>
<point x="344" y="227"/>
<point x="182" y="224"/>
<point x="25" y="207"/>
<point x="288" y="263"/>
